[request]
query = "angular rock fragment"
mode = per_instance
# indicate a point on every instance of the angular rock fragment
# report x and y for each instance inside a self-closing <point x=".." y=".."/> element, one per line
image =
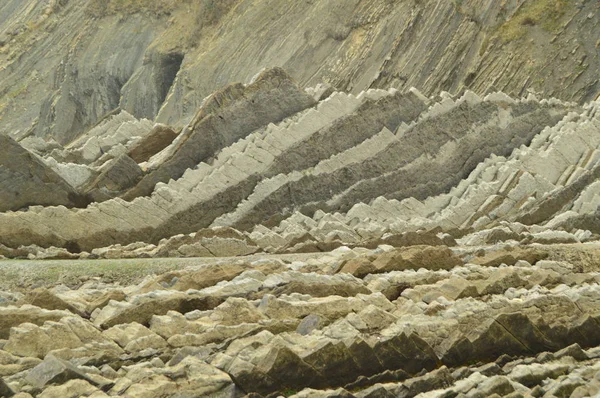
<point x="157" y="139"/>
<point x="54" y="371"/>
<point x="5" y="391"/>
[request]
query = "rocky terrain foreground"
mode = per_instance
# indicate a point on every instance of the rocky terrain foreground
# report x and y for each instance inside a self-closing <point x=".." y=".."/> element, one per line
<point x="427" y="320"/>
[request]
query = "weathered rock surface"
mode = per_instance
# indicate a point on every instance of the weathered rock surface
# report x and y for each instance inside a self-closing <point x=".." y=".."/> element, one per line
<point x="426" y="323"/>
<point x="340" y="240"/>
<point x="326" y="159"/>
<point x="25" y="180"/>
<point x="168" y="56"/>
<point x="158" y="139"/>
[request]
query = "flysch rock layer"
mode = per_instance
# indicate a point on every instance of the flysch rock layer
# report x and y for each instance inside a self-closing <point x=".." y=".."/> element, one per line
<point x="422" y="321"/>
<point x="383" y="244"/>
<point x="347" y="169"/>
<point x="26" y="180"/>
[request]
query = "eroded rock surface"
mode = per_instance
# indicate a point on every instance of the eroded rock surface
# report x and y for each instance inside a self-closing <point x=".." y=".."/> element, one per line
<point x="443" y="325"/>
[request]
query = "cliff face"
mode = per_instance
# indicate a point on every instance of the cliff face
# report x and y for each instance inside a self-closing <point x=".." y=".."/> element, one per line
<point x="65" y="64"/>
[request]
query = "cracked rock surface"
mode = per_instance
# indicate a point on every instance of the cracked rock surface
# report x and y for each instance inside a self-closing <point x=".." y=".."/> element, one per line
<point x="429" y="321"/>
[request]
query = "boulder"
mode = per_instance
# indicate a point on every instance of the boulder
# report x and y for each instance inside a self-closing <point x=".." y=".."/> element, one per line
<point x="12" y="316"/>
<point x="72" y="389"/>
<point x="125" y="334"/>
<point x="102" y="301"/>
<point x="30" y="340"/>
<point x="116" y="314"/>
<point x="309" y="323"/>
<point x="43" y="298"/>
<point x="157" y="139"/>
<point x="533" y="374"/>
<point x="54" y="371"/>
<point x="359" y="267"/>
<point x="207" y="276"/>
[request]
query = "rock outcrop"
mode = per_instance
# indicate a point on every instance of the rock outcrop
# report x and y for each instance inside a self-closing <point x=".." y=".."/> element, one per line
<point x="167" y="56"/>
<point x="25" y="180"/>
<point x="397" y="213"/>
<point x="425" y="321"/>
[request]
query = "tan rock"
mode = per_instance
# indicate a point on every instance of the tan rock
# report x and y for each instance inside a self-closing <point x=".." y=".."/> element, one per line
<point x="359" y="267"/>
<point x="43" y="298"/>
<point x="13" y="316"/>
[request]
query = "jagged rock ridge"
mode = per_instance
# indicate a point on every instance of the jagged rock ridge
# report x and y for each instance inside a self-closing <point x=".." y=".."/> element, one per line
<point x="351" y="168"/>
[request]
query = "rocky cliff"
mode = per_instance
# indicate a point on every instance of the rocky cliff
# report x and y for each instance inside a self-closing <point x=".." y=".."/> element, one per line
<point x="66" y="64"/>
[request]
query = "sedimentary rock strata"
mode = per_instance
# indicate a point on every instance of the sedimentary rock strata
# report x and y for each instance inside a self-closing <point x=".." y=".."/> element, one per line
<point x="346" y="170"/>
<point x="367" y="245"/>
<point x="425" y="320"/>
<point x="25" y="180"/>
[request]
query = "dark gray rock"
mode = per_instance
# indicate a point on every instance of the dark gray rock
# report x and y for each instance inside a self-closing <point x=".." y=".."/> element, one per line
<point x="54" y="370"/>
<point x="25" y="180"/>
<point x="5" y="390"/>
<point x="308" y="324"/>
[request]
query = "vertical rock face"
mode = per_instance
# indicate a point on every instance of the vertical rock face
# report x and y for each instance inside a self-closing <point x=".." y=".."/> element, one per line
<point x="25" y="180"/>
<point x="66" y="64"/>
<point x="73" y="65"/>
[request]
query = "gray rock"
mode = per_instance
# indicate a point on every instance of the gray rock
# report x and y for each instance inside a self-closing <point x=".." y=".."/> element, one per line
<point x="25" y="180"/>
<point x="5" y="390"/>
<point x="308" y="324"/>
<point x="54" y="370"/>
<point x="119" y="175"/>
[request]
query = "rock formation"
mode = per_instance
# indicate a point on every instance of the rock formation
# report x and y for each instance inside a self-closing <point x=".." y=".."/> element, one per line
<point x="260" y="198"/>
<point x="167" y="56"/>
<point x="25" y="180"/>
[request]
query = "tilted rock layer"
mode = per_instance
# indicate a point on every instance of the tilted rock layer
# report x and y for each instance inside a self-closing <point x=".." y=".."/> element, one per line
<point x="389" y="210"/>
<point x="167" y="56"/>
<point x="381" y="244"/>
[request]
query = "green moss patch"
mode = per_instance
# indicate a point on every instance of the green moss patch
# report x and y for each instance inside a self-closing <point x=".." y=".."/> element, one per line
<point x="547" y="14"/>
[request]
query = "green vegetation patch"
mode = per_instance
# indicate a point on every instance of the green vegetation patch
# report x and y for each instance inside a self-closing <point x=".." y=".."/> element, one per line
<point x="547" y="14"/>
<point x="16" y="275"/>
<point x="101" y="8"/>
